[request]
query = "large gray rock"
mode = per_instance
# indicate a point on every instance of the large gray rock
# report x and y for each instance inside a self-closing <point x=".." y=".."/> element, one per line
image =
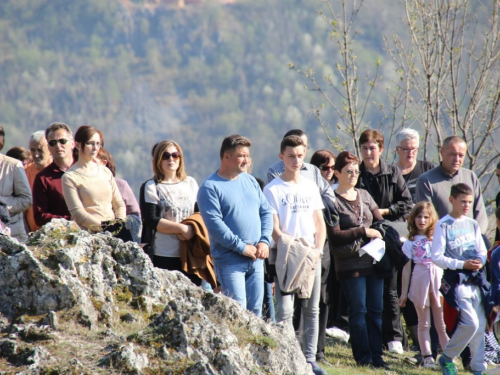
<point x="133" y="317"/>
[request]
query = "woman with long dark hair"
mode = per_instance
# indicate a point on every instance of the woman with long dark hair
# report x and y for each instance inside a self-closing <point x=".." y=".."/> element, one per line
<point x="325" y="161"/>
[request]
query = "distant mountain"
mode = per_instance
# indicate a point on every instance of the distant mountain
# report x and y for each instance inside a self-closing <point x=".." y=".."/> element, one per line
<point x="192" y="71"/>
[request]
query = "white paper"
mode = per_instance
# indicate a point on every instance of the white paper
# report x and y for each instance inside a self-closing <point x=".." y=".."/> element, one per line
<point x="374" y="248"/>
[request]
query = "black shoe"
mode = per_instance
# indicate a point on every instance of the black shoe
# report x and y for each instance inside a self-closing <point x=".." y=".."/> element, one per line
<point x="381" y="364"/>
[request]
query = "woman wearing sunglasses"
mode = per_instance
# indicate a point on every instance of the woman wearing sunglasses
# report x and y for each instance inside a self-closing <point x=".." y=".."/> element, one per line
<point x="89" y="189"/>
<point x="362" y="287"/>
<point x="325" y="161"/>
<point x="169" y="197"/>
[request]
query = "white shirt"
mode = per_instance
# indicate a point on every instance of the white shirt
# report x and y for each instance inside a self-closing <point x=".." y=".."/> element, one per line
<point x="295" y="203"/>
<point x="177" y="202"/>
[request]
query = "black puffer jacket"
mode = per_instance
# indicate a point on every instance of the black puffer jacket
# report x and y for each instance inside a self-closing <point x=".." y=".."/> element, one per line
<point x="394" y="256"/>
<point x="388" y="189"/>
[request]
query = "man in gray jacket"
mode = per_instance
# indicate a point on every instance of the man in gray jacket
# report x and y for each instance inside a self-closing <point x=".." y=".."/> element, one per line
<point x="435" y="185"/>
<point x="15" y="191"/>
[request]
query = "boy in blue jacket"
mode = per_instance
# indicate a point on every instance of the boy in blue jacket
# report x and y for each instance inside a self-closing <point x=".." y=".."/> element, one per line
<point x="459" y="249"/>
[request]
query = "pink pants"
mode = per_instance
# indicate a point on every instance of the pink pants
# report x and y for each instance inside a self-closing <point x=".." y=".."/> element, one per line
<point x="424" y="323"/>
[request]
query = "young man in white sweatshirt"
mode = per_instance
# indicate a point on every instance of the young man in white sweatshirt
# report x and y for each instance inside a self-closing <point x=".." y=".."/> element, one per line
<point x="298" y="211"/>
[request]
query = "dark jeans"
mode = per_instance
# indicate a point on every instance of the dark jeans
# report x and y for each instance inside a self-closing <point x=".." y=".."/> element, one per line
<point x="338" y="312"/>
<point x="327" y="272"/>
<point x="365" y="299"/>
<point x="268" y="305"/>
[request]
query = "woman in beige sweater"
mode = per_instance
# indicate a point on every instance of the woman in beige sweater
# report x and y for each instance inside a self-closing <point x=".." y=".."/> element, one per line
<point x="89" y="189"/>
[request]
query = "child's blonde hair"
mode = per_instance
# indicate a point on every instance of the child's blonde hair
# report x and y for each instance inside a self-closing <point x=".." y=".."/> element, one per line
<point x="433" y="219"/>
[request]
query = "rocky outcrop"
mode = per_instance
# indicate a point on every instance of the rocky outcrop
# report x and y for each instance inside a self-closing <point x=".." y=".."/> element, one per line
<point x="72" y="302"/>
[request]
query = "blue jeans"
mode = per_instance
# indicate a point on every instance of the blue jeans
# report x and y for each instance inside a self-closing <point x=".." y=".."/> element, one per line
<point x="365" y="299"/>
<point x="243" y="282"/>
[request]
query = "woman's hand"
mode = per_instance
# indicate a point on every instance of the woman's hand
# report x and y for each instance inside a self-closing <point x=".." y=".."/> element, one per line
<point x="187" y="233"/>
<point x="372" y="233"/>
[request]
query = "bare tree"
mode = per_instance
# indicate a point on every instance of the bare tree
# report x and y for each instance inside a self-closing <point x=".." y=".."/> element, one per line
<point x="450" y="77"/>
<point x="348" y="99"/>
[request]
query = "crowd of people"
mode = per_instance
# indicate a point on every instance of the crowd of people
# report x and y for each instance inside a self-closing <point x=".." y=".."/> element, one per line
<point x="306" y="237"/>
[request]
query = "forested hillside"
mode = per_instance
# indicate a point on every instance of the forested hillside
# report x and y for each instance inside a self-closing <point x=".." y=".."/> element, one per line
<point x="193" y="74"/>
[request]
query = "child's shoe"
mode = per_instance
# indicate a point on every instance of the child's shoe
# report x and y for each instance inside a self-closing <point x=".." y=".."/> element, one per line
<point x="447" y="365"/>
<point x="429" y="363"/>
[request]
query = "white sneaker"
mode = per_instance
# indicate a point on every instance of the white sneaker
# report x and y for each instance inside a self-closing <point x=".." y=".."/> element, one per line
<point x="395" y="347"/>
<point x="429" y="363"/>
<point x="337" y="333"/>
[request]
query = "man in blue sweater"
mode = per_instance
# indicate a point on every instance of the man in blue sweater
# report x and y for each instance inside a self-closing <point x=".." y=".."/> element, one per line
<point x="239" y="222"/>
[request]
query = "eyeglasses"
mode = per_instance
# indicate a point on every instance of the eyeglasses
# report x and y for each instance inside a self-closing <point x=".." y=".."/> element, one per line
<point x="62" y="141"/>
<point x="168" y="155"/>
<point x="353" y="172"/>
<point x="408" y="150"/>
<point x="327" y="167"/>
<point x="93" y="144"/>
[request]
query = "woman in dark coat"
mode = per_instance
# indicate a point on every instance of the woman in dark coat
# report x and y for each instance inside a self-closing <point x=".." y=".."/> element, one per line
<point x="386" y="185"/>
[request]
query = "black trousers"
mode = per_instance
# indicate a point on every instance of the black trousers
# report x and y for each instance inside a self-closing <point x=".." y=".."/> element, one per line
<point x="392" y="329"/>
<point x="174" y="264"/>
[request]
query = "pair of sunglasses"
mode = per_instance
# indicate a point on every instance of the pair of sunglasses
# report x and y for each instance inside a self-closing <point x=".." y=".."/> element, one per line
<point x="168" y="155"/>
<point x="326" y="167"/>
<point x="62" y="141"/>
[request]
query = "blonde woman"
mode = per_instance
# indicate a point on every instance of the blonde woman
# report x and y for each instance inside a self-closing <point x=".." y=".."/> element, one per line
<point x="169" y="197"/>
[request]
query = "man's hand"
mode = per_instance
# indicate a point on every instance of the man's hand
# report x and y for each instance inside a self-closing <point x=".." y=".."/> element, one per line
<point x="250" y="251"/>
<point x="473" y="265"/>
<point x="262" y="250"/>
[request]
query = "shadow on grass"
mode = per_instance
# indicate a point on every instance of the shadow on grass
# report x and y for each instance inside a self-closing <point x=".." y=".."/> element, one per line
<point x="339" y="354"/>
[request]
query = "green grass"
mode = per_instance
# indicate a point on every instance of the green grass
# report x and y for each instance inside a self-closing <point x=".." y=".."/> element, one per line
<point x="340" y="356"/>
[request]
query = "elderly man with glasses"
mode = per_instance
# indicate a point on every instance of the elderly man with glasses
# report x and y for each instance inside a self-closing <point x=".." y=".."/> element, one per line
<point x="41" y="158"/>
<point x="48" y="200"/>
<point x="411" y="168"/>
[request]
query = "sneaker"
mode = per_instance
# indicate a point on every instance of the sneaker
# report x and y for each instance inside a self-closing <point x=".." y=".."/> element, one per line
<point x="395" y="347"/>
<point x="447" y="365"/>
<point x="412" y="361"/>
<point x="337" y="333"/>
<point x="316" y="369"/>
<point x="323" y="361"/>
<point x="429" y="363"/>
